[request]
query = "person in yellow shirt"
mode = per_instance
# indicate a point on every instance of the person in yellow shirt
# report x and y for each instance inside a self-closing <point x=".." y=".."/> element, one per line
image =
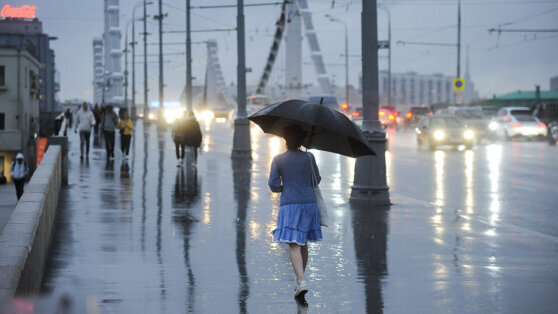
<point x="126" y="126"/>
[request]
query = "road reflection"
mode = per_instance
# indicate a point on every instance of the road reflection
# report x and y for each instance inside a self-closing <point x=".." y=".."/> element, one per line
<point x="186" y="195"/>
<point x="370" y="231"/>
<point x="241" y="179"/>
<point x="161" y="139"/>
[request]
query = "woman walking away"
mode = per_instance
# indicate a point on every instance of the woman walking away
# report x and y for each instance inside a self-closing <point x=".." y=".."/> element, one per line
<point x="108" y="126"/>
<point x="298" y="221"/>
<point x="126" y="126"/>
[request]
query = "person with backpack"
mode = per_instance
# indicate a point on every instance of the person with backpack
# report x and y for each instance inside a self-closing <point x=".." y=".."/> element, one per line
<point x="193" y="135"/>
<point x="108" y="126"/>
<point x="179" y="138"/>
<point x="19" y="171"/>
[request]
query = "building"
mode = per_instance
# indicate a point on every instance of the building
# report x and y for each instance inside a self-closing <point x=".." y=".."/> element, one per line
<point x="28" y="32"/>
<point x="20" y="90"/>
<point x="412" y="89"/>
<point x="524" y="98"/>
<point x="554" y="83"/>
<point x="98" y="70"/>
<point x="113" y="75"/>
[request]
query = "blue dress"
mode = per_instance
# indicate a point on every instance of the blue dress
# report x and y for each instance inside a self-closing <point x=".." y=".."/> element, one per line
<point x="299" y="219"/>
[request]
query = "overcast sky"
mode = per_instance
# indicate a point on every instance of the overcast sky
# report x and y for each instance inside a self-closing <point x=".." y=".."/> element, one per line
<point x="498" y="63"/>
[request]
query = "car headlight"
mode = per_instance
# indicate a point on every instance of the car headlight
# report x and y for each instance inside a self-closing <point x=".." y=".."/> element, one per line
<point x="151" y="116"/>
<point x="439" y="135"/>
<point x="493" y="126"/>
<point x="468" y="134"/>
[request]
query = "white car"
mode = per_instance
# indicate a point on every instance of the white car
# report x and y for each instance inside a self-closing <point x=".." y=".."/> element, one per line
<point x="511" y="122"/>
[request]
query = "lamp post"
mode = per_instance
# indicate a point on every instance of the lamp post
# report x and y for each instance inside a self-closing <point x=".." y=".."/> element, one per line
<point x="334" y="19"/>
<point x="133" y="44"/>
<point x="389" y="51"/>
<point x="369" y="184"/>
<point x="241" y="138"/>
<point x="145" y="90"/>
<point x="189" y="106"/>
<point x="126" y="65"/>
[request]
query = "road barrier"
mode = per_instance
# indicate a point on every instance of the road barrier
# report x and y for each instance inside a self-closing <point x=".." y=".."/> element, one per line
<point x="25" y="240"/>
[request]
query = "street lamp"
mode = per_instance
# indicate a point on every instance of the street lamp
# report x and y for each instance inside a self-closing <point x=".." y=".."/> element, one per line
<point x="369" y="184"/>
<point x="382" y="6"/>
<point x="133" y="44"/>
<point x="334" y="19"/>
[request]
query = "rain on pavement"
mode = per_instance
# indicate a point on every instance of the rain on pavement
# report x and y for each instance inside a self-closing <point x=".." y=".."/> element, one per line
<point x="468" y="231"/>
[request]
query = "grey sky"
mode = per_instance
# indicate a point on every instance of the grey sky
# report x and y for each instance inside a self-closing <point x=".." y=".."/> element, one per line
<point x="499" y="63"/>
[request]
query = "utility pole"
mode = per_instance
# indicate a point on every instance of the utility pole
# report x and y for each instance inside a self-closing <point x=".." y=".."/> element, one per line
<point x="334" y="19"/>
<point x="458" y="38"/>
<point x="161" y="114"/>
<point x="459" y="94"/>
<point x="126" y="66"/>
<point x="189" y="105"/>
<point x="241" y="138"/>
<point x="370" y="184"/>
<point x="145" y="90"/>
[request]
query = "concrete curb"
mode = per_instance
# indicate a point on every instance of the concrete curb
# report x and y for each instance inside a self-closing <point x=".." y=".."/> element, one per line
<point x="25" y="240"/>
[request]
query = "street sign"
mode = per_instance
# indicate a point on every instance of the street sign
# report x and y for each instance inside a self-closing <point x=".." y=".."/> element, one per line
<point x="458" y="84"/>
<point x="383" y="44"/>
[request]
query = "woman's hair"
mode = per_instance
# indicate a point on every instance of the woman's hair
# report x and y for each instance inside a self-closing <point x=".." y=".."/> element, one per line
<point x="294" y="135"/>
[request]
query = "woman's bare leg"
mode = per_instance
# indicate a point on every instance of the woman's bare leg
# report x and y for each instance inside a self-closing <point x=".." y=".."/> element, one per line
<point x="296" y="260"/>
<point x="304" y="253"/>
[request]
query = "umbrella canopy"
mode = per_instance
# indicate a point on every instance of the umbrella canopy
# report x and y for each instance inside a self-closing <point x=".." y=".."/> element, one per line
<point x="326" y="129"/>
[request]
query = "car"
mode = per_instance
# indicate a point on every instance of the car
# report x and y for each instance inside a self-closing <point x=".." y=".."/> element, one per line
<point x="388" y="117"/>
<point x="414" y="115"/>
<point x="516" y="122"/>
<point x="441" y="130"/>
<point x="473" y="117"/>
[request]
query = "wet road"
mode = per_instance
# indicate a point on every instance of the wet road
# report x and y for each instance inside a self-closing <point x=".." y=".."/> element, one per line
<point x="469" y="231"/>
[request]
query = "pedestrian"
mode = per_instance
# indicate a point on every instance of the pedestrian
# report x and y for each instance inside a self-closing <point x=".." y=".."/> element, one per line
<point x="84" y="121"/>
<point x="68" y="116"/>
<point x="97" y="114"/>
<point x="19" y="171"/>
<point x="193" y="135"/>
<point x="298" y="220"/>
<point x="108" y="126"/>
<point x="179" y="137"/>
<point x="126" y="126"/>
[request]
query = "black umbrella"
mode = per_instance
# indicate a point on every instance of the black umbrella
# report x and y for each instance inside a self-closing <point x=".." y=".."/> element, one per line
<point x="327" y="129"/>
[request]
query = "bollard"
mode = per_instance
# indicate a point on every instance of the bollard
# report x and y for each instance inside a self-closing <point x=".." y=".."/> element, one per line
<point x="63" y="142"/>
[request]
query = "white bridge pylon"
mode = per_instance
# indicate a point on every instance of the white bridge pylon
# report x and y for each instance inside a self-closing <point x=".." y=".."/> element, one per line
<point x="216" y="93"/>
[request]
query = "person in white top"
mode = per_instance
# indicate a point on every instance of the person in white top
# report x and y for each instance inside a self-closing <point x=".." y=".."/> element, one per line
<point x="85" y="120"/>
<point x="19" y="170"/>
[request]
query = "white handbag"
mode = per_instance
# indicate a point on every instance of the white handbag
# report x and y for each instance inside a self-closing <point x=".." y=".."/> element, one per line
<point x="324" y="220"/>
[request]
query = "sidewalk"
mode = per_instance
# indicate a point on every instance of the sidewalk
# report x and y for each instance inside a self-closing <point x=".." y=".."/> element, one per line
<point x="146" y="236"/>
<point x="8" y="202"/>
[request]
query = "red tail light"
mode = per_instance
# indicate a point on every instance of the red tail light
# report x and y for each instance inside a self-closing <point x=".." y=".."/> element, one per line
<point x="430" y="113"/>
<point x="391" y="117"/>
<point x="507" y="119"/>
<point x="516" y="125"/>
<point x="382" y="113"/>
<point x="409" y="115"/>
<point x="541" y="126"/>
<point x="356" y="114"/>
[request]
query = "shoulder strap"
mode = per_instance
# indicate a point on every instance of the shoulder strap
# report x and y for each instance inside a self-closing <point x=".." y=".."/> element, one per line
<point x="314" y="181"/>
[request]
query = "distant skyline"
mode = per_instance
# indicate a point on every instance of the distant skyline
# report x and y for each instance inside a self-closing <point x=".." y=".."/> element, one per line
<point x="500" y="63"/>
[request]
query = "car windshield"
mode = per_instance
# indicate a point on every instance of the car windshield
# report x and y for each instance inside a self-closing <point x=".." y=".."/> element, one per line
<point x="469" y="113"/>
<point x="420" y="110"/>
<point x="524" y="118"/>
<point x="446" y="123"/>
<point x="520" y="112"/>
